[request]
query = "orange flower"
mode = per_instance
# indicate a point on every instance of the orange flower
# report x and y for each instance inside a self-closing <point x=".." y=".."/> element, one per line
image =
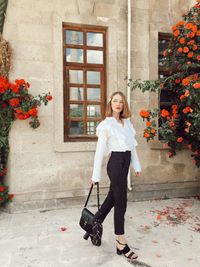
<point x="185" y="81"/>
<point x="180" y="49"/>
<point x="182" y="97"/>
<point x="198" y="33"/>
<point x="189" y="25"/>
<point x="198" y="57"/>
<point x="164" y="53"/>
<point x="181" y="23"/>
<point x="171" y="124"/>
<point x="185" y="49"/>
<point x="153" y="131"/>
<point x="146" y="135"/>
<point x="189" y="62"/>
<point x="194" y="28"/>
<point x="179" y="139"/>
<point x="144" y="114"/>
<point x="187" y="110"/>
<point x="196" y="85"/>
<point x="174" y="107"/>
<point x="164" y="113"/>
<point x="191" y="54"/>
<point x="195" y="47"/>
<point x="187" y="93"/>
<point x="148" y="123"/>
<point x="177" y="81"/>
<point x="173" y="28"/>
<point x="187" y="130"/>
<point x="182" y="40"/>
<point x="191" y="35"/>
<point x="176" y="33"/>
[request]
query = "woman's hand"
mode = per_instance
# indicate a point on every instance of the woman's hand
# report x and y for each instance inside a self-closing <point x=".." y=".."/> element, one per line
<point x="137" y="174"/>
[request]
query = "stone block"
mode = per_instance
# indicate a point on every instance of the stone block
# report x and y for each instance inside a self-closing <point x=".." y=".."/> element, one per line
<point x="35" y="34"/>
<point x="34" y="70"/>
<point x="106" y="10"/>
<point x="32" y="52"/>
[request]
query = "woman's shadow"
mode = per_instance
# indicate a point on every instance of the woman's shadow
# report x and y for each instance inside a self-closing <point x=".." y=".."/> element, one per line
<point x="137" y="263"/>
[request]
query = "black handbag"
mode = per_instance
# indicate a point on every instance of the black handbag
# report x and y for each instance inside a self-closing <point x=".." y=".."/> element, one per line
<point x="90" y="223"/>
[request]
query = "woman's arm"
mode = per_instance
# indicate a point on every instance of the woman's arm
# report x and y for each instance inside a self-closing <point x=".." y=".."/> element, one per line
<point x="135" y="160"/>
<point x="99" y="155"/>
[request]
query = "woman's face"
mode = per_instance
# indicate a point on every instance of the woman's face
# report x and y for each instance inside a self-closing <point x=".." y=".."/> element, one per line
<point x="117" y="103"/>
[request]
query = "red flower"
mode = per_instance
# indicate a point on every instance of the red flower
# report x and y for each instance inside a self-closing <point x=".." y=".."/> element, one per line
<point x="165" y="113"/>
<point x="14" y="102"/>
<point x="1" y="199"/>
<point x="20" y="81"/>
<point x="187" y="110"/>
<point x="14" y="88"/>
<point x="10" y="196"/>
<point x="179" y="139"/>
<point x="49" y="97"/>
<point x="198" y="57"/>
<point x="2" y="188"/>
<point x="177" y="81"/>
<point x="33" y="112"/>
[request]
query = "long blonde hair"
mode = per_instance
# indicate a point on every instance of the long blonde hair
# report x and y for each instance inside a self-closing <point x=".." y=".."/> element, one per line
<point x="125" y="113"/>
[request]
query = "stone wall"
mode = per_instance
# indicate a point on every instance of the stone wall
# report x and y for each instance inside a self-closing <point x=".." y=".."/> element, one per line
<point x="46" y="173"/>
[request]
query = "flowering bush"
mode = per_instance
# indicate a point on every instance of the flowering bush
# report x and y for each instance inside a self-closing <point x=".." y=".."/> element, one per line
<point x="15" y="103"/>
<point x="180" y="126"/>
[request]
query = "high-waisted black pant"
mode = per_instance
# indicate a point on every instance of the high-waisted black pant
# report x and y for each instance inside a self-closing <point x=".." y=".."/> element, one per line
<point x="117" y="169"/>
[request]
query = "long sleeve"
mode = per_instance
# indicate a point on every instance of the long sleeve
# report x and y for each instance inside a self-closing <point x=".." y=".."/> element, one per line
<point x="135" y="160"/>
<point x="99" y="155"/>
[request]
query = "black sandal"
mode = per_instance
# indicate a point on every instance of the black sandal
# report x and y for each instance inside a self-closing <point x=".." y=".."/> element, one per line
<point x="125" y="250"/>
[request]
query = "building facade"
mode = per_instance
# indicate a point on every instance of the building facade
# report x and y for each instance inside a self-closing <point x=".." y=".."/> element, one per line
<point x="77" y="50"/>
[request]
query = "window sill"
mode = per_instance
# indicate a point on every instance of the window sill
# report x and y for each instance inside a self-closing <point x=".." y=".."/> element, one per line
<point x="75" y="146"/>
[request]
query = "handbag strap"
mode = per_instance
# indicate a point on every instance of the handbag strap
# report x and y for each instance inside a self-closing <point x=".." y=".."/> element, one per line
<point x="90" y="194"/>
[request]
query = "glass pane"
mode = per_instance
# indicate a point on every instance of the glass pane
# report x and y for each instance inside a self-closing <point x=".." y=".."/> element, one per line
<point x="76" y="128"/>
<point x="95" y="56"/>
<point x="93" y="111"/>
<point x="74" y="37"/>
<point x="166" y="96"/>
<point x="163" y="45"/>
<point x="74" y="55"/>
<point x="75" y="76"/>
<point x="76" y="93"/>
<point x="91" y="127"/>
<point x="93" y="77"/>
<point x="76" y="110"/>
<point x="94" y="39"/>
<point x="93" y="94"/>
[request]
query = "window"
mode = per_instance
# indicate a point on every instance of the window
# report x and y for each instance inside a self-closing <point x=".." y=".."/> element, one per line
<point x="84" y="59"/>
<point x="165" y="98"/>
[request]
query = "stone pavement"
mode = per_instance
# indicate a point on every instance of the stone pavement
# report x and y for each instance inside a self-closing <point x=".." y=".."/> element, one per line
<point x="164" y="233"/>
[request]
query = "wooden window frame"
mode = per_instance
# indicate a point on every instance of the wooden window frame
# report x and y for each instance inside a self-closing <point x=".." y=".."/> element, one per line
<point x="84" y="67"/>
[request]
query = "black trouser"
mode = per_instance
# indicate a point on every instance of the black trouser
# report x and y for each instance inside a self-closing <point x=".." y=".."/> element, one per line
<point x="117" y="169"/>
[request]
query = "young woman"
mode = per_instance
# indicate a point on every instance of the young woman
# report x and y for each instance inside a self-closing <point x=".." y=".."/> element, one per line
<point x="116" y="136"/>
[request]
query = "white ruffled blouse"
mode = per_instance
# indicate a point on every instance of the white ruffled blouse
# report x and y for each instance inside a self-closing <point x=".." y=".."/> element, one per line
<point x="113" y="136"/>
